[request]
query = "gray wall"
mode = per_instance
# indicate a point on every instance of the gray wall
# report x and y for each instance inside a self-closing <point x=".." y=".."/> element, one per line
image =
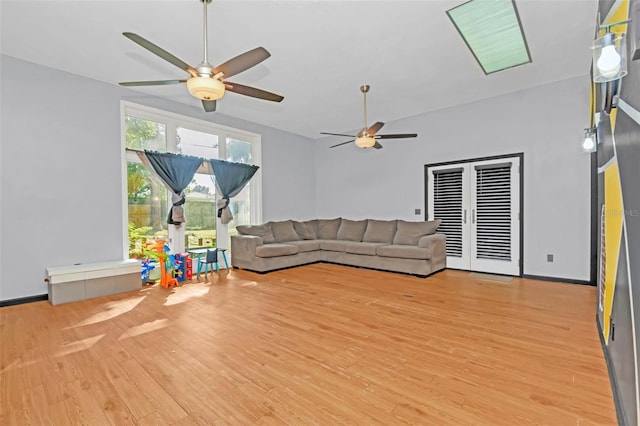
<point x="60" y="151"/>
<point x="545" y="123"/>
<point x="59" y="155"/>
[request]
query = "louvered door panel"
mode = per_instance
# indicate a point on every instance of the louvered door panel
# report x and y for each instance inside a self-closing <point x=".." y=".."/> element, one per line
<point x="447" y="206"/>
<point x="493" y="212"/>
<point x="495" y="224"/>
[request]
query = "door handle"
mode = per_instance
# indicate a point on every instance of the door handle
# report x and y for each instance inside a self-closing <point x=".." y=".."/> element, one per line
<point x="464" y="218"/>
<point x="473" y="216"/>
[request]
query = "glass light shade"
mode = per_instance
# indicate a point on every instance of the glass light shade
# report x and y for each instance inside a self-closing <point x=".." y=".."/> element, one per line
<point x="609" y="57"/>
<point x="589" y="142"/>
<point x="206" y="88"/>
<point x="365" y="142"/>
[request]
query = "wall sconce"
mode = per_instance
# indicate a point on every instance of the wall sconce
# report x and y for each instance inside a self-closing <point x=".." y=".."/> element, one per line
<point x="609" y="55"/>
<point x="590" y="141"/>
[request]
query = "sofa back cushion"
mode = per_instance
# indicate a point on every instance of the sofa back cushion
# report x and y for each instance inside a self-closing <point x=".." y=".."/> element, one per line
<point x="380" y="231"/>
<point x="351" y="230"/>
<point x="408" y="233"/>
<point x="262" y="231"/>
<point x="328" y="228"/>
<point x="307" y="230"/>
<point x="283" y="231"/>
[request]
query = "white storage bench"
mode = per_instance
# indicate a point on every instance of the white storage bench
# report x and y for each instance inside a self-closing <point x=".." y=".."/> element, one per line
<point x="85" y="281"/>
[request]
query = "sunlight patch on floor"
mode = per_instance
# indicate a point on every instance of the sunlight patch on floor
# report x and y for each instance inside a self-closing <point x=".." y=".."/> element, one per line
<point x="112" y="310"/>
<point x="184" y="293"/>
<point x="19" y="363"/>
<point x="147" y="327"/>
<point x="78" y="345"/>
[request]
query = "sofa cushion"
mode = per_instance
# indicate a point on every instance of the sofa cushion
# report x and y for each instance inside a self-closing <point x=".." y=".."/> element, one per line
<point x="283" y="231"/>
<point x="361" y="248"/>
<point x="380" y="231"/>
<point x="306" y="245"/>
<point x="328" y="228"/>
<point x="404" y="251"/>
<point x="306" y="230"/>
<point x="351" y="230"/>
<point x="275" y="250"/>
<point x="262" y="231"/>
<point x="332" y="245"/>
<point x="408" y="233"/>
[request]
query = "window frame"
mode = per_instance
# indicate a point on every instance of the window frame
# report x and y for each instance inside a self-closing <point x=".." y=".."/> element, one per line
<point x="172" y="122"/>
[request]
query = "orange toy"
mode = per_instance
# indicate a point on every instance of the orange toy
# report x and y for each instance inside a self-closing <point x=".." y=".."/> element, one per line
<point x="166" y="279"/>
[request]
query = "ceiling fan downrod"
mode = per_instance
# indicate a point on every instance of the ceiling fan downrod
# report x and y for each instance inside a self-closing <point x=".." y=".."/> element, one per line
<point x="364" y="89"/>
<point x="205" y="61"/>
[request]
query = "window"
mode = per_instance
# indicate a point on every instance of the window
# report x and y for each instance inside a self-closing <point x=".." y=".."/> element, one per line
<point x="239" y="151"/>
<point x="148" y="201"/>
<point x="200" y="207"/>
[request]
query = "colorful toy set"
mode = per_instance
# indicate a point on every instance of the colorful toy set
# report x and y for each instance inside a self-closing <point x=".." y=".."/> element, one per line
<point x="174" y="268"/>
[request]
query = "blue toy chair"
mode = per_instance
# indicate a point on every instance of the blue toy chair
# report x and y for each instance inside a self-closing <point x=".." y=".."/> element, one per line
<point x="209" y="259"/>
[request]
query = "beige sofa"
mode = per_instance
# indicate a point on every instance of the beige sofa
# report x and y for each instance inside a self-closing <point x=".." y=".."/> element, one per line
<point x="390" y="245"/>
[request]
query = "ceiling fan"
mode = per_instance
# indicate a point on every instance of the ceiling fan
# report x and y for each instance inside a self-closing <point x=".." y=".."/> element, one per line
<point x="368" y="137"/>
<point x="208" y="82"/>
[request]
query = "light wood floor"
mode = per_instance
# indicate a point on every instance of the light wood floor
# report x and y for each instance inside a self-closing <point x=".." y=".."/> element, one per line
<point x="316" y="345"/>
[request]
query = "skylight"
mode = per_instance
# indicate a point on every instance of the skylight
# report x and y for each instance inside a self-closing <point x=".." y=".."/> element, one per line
<point x="492" y="30"/>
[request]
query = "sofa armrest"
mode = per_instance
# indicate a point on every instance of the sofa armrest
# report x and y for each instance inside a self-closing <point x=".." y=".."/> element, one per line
<point x="243" y="247"/>
<point x="436" y="243"/>
<point x="427" y="241"/>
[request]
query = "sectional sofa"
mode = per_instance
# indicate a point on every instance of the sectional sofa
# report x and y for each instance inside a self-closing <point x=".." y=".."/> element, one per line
<point x="390" y="245"/>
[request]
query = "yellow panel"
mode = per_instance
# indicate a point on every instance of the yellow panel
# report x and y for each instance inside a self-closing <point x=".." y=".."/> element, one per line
<point x="592" y="105"/>
<point x="614" y="215"/>
<point x="621" y="13"/>
<point x="612" y="118"/>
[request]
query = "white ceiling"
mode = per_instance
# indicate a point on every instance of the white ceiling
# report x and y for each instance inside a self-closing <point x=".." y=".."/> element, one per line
<point x="322" y="51"/>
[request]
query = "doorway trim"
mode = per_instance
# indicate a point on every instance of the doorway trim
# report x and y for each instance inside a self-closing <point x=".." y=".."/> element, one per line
<point x="520" y="156"/>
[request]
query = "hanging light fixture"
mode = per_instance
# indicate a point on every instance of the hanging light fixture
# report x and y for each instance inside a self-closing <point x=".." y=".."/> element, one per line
<point x="590" y="140"/>
<point x="609" y="55"/>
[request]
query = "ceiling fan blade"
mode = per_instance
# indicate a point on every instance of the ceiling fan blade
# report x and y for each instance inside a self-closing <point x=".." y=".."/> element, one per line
<point x="375" y="128"/>
<point x="343" y="143"/>
<point x="161" y="53"/>
<point x="209" y="106"/>
<point x="397" y="136"/>
<point x="377" y="146"/>
<point x="151" y="83"/>
<point x="338" y="134"/>
<point x="242" y="62"/>
<point x="241" y="89"/>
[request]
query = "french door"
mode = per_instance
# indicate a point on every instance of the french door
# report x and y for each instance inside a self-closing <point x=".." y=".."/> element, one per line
<point x="479" y="205"/>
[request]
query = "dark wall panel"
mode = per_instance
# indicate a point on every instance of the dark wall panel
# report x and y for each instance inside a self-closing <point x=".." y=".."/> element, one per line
<point x="619" y="222"/>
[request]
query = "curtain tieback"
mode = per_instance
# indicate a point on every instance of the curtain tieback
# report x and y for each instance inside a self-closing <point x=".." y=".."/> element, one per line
<point x="222" y="204"/>
<point x="181" y="201"/>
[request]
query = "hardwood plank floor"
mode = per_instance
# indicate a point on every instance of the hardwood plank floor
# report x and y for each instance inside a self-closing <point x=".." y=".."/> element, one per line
<point x="315" y="345"/>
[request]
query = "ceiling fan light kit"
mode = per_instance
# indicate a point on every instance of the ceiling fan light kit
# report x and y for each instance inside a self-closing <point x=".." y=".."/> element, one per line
<point x="365" y="142"/>
<point x="206" y="88"/>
